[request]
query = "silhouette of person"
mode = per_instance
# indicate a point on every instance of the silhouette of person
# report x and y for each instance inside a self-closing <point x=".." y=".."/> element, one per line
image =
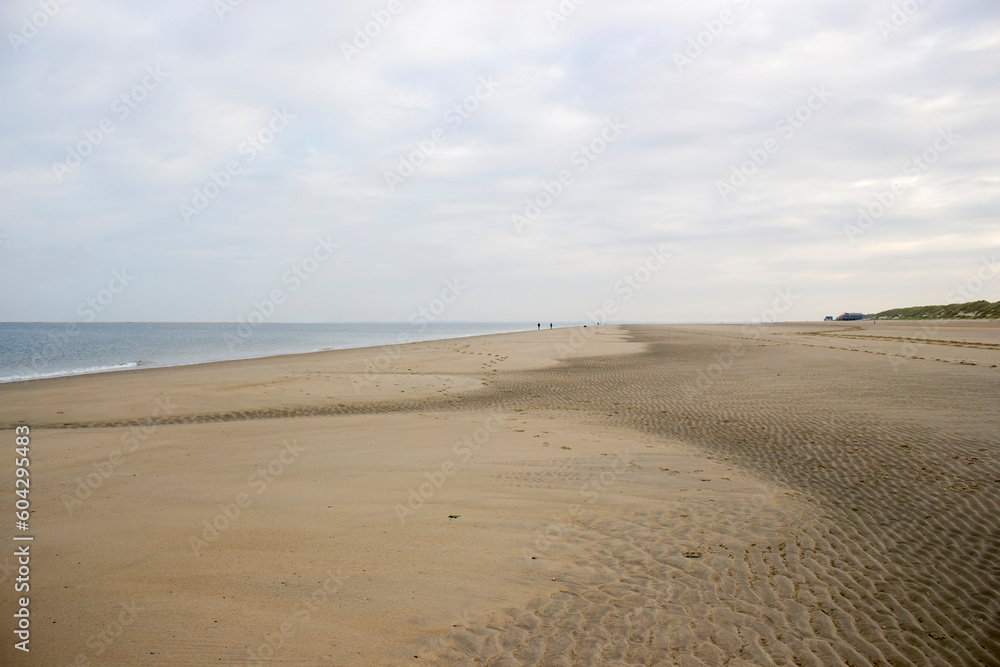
<point x="539" y="326"/>
<point x="550" y="325"/>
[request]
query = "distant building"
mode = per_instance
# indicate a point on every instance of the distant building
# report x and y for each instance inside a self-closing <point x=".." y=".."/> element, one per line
<point x="828" y="318"/>
<point x="850" y="317"/>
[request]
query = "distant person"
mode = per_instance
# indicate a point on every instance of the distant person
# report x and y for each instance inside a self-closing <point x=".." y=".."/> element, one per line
<point x="550" y="325"/>
<point x="539" y="326"/>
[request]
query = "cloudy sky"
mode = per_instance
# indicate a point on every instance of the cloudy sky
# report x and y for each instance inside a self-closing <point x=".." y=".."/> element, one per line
<point x="545" y="156"/>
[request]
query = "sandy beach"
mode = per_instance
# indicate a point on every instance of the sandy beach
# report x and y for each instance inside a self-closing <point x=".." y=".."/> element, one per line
<point x="809" y="494"/>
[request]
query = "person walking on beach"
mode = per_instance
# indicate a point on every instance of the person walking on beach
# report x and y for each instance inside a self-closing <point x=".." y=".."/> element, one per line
<point x="539" y="326"/>
<point x="550" y="325"/>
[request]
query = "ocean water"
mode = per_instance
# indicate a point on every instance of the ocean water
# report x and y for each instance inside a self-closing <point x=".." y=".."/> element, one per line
<point x="39" y="350"/>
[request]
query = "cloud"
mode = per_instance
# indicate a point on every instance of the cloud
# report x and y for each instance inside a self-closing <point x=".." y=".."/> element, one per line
<point x="747" y="65"/>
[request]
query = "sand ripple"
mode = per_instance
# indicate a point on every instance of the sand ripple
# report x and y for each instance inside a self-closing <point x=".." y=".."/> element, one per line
<point x="894" y="561"/>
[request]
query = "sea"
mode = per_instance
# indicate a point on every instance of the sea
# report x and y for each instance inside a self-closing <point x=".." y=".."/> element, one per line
<point x="30" y="351"/>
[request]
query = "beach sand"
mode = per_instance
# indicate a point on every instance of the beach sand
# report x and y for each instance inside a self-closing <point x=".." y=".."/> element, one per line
<point x="813" y="494"/>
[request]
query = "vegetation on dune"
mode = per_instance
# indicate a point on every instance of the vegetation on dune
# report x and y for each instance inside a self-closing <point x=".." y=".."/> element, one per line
<point x="973" y="310"/>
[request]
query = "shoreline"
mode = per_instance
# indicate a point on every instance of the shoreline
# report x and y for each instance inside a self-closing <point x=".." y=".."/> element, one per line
<point x="147" y="365"/>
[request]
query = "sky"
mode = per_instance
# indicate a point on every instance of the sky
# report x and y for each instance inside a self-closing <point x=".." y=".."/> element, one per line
<point x="731" y="160"/>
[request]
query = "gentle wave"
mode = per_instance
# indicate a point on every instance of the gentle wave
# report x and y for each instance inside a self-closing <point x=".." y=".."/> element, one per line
<point x="76" y="371"/>
<point x="33" y="351"/>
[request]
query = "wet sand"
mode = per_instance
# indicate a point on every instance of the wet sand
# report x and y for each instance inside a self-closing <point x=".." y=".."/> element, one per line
<point x="819" y="493"/>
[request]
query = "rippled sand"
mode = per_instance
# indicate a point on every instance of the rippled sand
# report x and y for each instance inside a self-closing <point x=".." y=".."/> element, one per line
<point x="788" y="494"/>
